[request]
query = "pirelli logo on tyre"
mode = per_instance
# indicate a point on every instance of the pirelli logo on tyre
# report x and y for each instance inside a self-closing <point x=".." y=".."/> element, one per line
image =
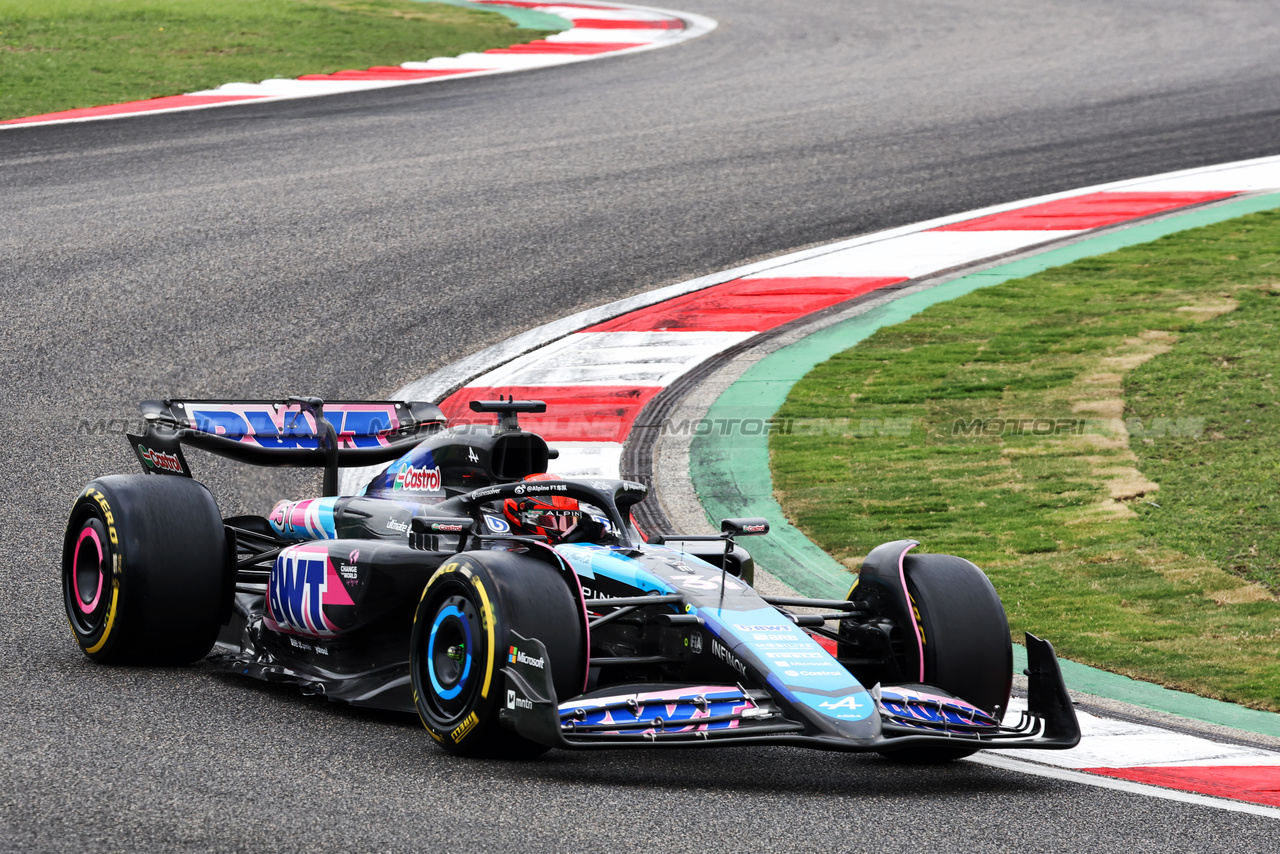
<point x="464" y="728"/>
<point x="452" y="566"/>
<point x="106" y="513"/>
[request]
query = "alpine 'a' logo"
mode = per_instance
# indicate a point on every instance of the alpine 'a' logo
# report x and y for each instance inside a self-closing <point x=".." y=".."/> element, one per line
<point x="420" y="479"/>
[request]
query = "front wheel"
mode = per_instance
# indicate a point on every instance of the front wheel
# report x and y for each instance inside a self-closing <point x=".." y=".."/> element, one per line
<point x="145" y="570"/>
<point x="462" y="639"/>
<point x="965" y="637"/>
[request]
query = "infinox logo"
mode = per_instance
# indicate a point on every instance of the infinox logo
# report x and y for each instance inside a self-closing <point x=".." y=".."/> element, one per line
<point x="421" y="479"/>
<point x="722" y="652"/>
<point x="160" y="459"/>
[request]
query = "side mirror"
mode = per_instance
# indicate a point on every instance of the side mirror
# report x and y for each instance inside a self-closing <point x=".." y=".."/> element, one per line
<point x="425" y="531"/>
<point x="752" y="526"/>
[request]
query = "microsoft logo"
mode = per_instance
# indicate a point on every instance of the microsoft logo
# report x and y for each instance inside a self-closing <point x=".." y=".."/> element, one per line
<point x="515" y="656"/>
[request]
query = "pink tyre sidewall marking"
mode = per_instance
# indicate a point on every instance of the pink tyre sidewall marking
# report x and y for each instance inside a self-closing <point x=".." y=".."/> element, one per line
<point x="87" y="607"/>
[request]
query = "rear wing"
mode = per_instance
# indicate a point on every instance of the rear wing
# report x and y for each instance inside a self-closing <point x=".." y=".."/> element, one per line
<point x="298" y="431"/>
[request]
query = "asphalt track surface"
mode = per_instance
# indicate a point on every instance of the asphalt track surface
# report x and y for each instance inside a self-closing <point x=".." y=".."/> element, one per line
<point x="343" y="246"/>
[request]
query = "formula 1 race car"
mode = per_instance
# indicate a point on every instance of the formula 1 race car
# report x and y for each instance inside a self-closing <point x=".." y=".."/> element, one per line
<point x="514" y="611"/>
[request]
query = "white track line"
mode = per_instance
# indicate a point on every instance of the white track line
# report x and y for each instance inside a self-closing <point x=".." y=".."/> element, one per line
<point x="915" y="254"/>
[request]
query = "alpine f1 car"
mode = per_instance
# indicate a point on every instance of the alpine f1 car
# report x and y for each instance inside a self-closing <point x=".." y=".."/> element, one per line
<point x="515" y="611"/>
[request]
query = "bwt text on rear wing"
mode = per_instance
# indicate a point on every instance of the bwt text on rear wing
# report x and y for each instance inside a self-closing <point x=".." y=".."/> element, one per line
<point x="296" y="432"/>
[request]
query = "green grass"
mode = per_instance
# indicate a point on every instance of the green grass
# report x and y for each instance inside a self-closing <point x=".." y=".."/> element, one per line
<point x="1099" y="437"/>
<point x="64" y="54"/>
<point x="1218" y="483"/>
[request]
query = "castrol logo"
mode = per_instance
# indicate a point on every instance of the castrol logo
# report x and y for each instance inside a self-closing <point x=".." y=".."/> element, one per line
<point x="160" y="459"/>
<point x="419" y="479"/>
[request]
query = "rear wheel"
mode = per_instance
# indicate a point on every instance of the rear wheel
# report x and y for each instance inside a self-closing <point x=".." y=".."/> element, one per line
<point x="965" y="634"/>
<point x="145" y="570"/>
<point x="461" y="641"/>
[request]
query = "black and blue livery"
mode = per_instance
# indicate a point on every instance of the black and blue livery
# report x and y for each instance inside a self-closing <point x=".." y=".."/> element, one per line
<point x="418" y="595"/>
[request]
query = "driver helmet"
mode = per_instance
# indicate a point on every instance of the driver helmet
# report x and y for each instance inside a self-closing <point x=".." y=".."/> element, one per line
<point x="550" y="516"/>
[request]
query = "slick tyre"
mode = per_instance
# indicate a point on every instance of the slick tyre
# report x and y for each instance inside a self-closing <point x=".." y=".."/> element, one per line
<point x="965" y="634"/>
<point x="145" y="570"/>
<point x="460" y="641"/>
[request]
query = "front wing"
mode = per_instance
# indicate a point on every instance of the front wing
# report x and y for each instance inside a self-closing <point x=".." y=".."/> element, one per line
<point x="729" y="715"/>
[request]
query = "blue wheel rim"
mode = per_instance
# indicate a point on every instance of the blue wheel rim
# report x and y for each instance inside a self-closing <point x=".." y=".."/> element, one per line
<point x="443" y="615"/>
